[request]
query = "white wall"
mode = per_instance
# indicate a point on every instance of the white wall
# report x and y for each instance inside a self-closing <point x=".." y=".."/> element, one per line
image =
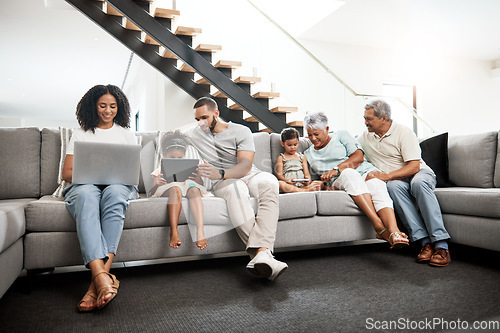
<point x="448" y="88"/>
<point x="161" y="104"/>
<point x="455" y="94"/>
<point x="35" y="122"/>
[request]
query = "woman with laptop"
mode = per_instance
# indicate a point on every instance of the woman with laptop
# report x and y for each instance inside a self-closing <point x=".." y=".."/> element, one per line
<point x="104" y="116"/>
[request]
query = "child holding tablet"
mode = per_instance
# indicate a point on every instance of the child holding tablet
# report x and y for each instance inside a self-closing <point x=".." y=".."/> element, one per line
<point x="291" y="167"/>
<point x="174" y="144"/>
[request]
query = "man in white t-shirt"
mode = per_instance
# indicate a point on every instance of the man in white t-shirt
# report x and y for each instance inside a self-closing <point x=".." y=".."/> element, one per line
<point x="394" y="149"/>
<point x="228" y="149"/>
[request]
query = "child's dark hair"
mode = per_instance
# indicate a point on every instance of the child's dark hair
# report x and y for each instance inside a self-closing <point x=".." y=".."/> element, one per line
<point x="86" y="110"/>
<point x="289" y="133"/>
<point x="174" y="140"/>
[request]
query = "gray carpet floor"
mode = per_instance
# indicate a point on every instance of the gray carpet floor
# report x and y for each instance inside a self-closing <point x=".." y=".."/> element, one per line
<point x="339" y="289"/>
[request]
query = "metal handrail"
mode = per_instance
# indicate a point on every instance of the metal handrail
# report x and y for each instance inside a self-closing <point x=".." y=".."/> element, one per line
<point x="411" y="109"/>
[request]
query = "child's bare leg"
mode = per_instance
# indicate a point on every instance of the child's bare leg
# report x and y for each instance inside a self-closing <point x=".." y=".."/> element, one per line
<point x="196" y="206"/>
<point x="315" y="185"/>
<point x="174" y="210"/>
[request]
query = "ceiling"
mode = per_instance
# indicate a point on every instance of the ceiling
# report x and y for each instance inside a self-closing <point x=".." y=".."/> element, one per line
<point x="465" y="28"/>
<point x="51" y="54"/>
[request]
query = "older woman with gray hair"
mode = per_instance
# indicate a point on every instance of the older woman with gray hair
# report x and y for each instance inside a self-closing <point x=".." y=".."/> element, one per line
<point x="337" y="159"/>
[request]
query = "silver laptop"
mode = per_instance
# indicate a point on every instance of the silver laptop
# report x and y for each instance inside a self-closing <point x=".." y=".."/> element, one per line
<point x="178" y="169"/>
<point x="106" y="163"/>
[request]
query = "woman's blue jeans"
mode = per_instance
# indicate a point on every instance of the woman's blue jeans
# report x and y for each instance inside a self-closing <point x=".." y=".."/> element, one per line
<point x="99" y="212"/>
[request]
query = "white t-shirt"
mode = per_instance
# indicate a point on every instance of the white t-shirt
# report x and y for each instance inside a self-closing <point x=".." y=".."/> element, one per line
<point x="393" y="150"/>
<point x="115" y="134"/>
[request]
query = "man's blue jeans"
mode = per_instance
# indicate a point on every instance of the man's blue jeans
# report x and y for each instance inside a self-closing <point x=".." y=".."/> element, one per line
<point x="99" y="213"/>
<point x="415" y="194"/>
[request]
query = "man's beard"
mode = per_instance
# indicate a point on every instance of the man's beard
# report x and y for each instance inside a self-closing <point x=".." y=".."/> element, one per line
<point x="212" y="125"/>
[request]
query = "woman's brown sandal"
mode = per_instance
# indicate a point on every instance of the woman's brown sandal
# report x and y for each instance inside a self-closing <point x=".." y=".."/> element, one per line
<point x="106" y="289"/>
<point x="81" y="308"/>
<point x="379" y="234"/>
<point x="398" y="240"/>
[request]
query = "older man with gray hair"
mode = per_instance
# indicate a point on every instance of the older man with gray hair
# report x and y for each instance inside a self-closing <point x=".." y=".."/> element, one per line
<point x="394" y="149"/>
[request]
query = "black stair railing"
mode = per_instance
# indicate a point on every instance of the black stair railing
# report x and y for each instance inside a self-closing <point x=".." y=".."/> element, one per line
<point x="137" y="15"/>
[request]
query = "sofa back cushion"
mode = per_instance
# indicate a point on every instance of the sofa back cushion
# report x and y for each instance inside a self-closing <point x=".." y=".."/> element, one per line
<point x="472" y="159"/>
<point x="50" y="156"/>
<point x="262" y="152"/>
<point x="277" y="148"/>
<point x="19" y="163"/>
<point x="497" y="164"/>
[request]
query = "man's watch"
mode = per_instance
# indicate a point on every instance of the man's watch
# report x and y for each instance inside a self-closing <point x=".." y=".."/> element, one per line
<point x="338" y="173"/>
<point x="222" y="173"/>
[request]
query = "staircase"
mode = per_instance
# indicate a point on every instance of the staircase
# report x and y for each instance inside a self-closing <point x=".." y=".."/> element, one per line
<point x="147" y="31"/>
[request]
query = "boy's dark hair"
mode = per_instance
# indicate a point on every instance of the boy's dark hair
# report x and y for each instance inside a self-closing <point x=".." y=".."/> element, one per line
<point x="289" y="133"/>
<point x="86" y="110"/>
<point x="174" y="140"/>
<point x="210" y="103"/>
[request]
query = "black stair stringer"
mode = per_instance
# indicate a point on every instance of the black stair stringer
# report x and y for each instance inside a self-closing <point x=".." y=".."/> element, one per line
<point x="171" y="42"/>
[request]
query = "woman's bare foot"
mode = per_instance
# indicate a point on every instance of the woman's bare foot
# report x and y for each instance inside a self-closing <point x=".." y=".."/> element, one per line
<point x="175" y="241"/>
<point x="89" y="300"/>
<point x="110" y="285"/>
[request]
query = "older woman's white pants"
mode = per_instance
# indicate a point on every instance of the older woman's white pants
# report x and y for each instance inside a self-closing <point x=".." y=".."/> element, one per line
<point x="355" y="184"/>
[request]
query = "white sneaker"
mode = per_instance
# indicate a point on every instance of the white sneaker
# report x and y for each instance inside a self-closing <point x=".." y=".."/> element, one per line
<point x="264" y="264"/>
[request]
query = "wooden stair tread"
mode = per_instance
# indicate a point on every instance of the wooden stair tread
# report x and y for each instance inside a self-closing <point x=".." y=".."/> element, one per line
<point x="284" y="109"/>
<point x="266" y="94"/>
<point x="167" y="54"/>
<point x="110" y="10"/>
<point x="251" y="119"/>
<point x="298" y="123"/>
<point x="166" y="13"/>
<point x="130" y="26"/>
<point x="236" y="107"/>
<point x="228" y="64"/>
<point x="208" y="48"/>
<point x="149" y="40"/>
<point x="247" y="79"/>
<point x="186" y="68"/>
<point x="187" y="31"/>
<point x="266" y="130"/>
<point x="219" y="94"/>
<point x="202" y="81"/>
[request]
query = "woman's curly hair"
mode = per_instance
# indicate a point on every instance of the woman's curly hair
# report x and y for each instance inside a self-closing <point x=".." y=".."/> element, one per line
<point x="174" y="140"/>
<point x="86" y="110"/>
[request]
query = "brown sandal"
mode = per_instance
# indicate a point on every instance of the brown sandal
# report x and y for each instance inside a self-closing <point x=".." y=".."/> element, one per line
<point x="88" y="308"/>
<point x="398" y="240"/>
<point x="379" y="234"/>
<point x="106" y="289"/>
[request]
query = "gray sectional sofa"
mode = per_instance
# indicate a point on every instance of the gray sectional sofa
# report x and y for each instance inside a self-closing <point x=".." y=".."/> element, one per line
<point x="37" y="232"/>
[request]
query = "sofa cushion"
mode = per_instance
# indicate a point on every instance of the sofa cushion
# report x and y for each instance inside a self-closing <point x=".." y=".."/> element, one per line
<point x="472" y="159"/>
<point x="435" y="155"/>
<point x="470" y="201"/>
<point x="337" y="203"/>
<point x="20" y="163"/>
<point x="262" y="152"/>
<point x="277" y="148"/>
<point x="12" y="222"/>
<point x="50" y="159"/>
<point x="497" y="164"/>
<point x="145" y="139"/>
<point x="297" y="205"/>
<point x="50" y="214"/>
